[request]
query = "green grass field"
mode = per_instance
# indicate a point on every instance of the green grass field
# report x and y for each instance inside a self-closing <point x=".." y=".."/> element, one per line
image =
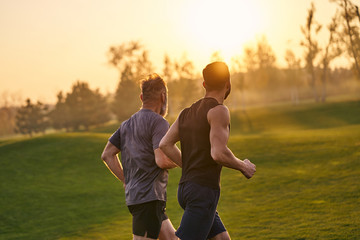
<point x="306" y="185"/>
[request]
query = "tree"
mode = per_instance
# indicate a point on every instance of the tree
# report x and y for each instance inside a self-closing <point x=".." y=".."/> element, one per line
<point x="216" y="57"/>
<point x="249" y="61"/>
<point x="126" y="99"/>
<point x="238" y="79"/>
<point x="132" y="62"/>
<point x="331" y="51"/>
<point x="8" y="106"/>
<point x="351" y="31"/>
<point x="260" y="64"/>
<point x="238" y="82"/>
<point x="31" y="118"/>
<point x="311" y="46"/>
<point x="168" y="76"/>
<point x="266" y="59"/>
<point x="293" y="75"/>
<point x="60" y="116"/>
<point x="85" y="107"/>
<point x="188" y="86"/>
<point x="7" y="120"/>
<point x="183" y="86"/>
<point x="10" y="99"/>
<point x="168" y="69"/>
<point x="82" y="107"/>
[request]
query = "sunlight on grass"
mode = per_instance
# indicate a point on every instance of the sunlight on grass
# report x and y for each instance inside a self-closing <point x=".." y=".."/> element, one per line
<point x="305" y="187"/>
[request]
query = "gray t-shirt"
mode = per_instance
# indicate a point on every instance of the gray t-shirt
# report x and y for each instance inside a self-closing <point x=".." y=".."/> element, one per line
<point x="137" y="138"/>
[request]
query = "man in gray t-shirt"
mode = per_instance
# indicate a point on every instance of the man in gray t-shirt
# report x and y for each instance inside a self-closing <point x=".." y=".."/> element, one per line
<point x="143" y="168"/>
<point x="137" y="138"/>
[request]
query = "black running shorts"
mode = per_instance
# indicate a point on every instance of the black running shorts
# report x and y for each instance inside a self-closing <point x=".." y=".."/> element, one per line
<point x="147" y="218"/>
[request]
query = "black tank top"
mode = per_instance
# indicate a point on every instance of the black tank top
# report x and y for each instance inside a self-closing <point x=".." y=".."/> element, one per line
<point x="197" y="164"/>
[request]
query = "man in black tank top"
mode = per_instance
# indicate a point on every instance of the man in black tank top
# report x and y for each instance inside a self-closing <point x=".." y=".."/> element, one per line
<point x="203" y="131"/>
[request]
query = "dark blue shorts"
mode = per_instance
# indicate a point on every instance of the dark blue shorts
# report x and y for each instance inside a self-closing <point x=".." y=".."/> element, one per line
<point x="200" y="220"/>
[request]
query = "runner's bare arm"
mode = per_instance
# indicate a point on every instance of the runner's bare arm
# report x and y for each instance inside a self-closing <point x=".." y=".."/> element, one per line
<point x="162" y="160"/>
<point x="111" y="160"/>
<point x="168" y="143"/>
<point x="219" y="120"/>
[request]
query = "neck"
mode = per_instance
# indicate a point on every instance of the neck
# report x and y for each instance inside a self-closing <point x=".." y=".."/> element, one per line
<point x="218" y="95"/>
<point x="153" y="107"/>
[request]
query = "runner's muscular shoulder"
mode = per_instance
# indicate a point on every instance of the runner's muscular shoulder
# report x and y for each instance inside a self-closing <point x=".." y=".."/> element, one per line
<point x="219" y="116"/>
<point x="219" y="119"/>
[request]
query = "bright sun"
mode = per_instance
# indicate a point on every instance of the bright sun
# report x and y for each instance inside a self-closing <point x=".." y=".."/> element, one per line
<point x="223" y="26"/>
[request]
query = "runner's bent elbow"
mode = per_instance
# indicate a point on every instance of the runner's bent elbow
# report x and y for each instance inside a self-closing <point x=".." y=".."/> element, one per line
<point x="106" y="156"/>
<point x="218" y="154"/>
<point x="103" y="156"/>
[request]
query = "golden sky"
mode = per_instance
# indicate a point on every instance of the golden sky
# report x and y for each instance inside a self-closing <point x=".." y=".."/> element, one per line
<point x="45" y="46"/>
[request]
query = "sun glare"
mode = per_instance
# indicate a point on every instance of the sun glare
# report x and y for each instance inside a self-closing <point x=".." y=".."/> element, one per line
<point x="223" y="26"/>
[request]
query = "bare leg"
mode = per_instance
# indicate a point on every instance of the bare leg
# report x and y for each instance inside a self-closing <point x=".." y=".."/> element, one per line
<point x="222" y="236"/>
<point x="136" y="237"/>
<point x="167" y="231"/>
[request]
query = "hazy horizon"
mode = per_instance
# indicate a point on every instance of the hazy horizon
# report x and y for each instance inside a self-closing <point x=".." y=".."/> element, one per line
<point x="47" y="45"/>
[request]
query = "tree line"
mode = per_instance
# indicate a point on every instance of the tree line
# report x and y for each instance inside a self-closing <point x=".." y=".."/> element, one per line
<point x="254" y="71"/>
<point x="79" y="108"/>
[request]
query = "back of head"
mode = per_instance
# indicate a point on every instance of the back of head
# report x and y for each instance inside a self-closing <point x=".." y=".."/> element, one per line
<point x="152" y="87"/>
<point x="215" y="75"/>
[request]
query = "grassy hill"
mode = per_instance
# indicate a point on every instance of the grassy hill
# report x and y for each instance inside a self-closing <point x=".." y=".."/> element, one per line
<point x="306" y="185"/>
